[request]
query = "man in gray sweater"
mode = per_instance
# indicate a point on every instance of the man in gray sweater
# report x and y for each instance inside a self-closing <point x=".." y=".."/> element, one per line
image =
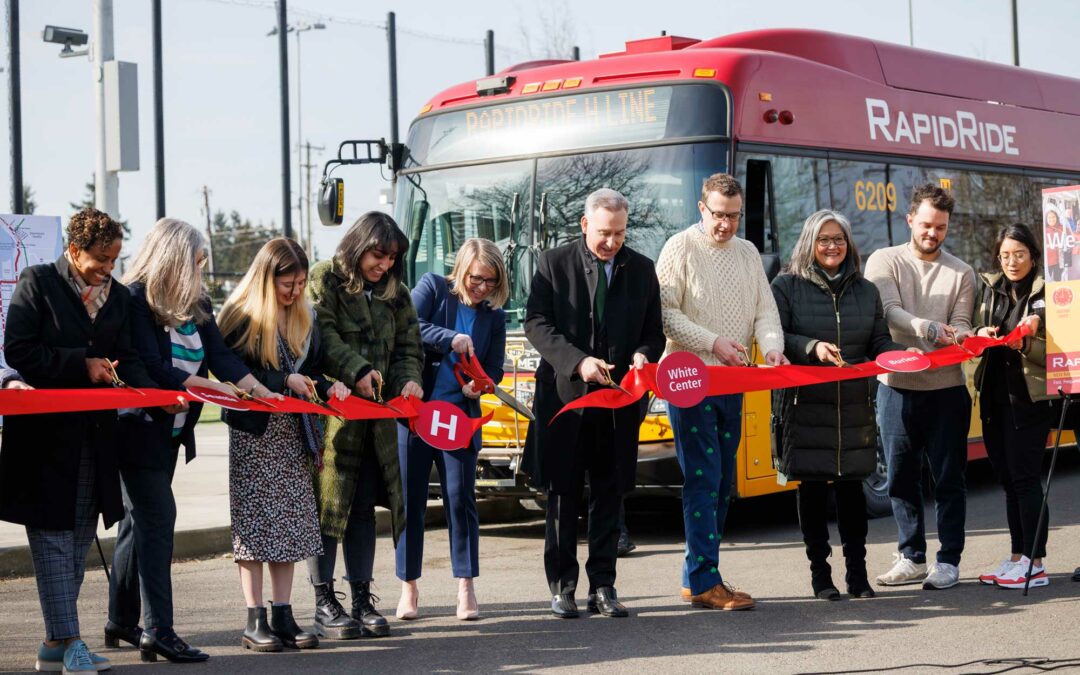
<point x="928" y="296"/>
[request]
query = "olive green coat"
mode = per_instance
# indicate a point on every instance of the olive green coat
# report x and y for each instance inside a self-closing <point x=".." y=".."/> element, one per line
<point x="359" y="335"/>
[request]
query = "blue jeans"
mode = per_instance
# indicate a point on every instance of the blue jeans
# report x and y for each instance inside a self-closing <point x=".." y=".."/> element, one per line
<point x="706" y="442"/>
<point x="934" y="425"/>
<point x="457" y="476"/>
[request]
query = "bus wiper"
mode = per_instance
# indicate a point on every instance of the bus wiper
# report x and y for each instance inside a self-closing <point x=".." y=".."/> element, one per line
<point x="543" y="224"/>
<point x="512" y="245"/>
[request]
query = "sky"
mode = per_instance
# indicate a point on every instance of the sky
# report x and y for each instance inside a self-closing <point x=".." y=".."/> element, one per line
<point x="222" y="98"/>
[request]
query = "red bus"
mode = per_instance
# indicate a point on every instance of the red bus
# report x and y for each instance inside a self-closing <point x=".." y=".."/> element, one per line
<point x="805" y="119"/>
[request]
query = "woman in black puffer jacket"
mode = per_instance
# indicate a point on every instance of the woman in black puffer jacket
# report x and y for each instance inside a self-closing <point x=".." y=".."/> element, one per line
<point x="831" y="316"/>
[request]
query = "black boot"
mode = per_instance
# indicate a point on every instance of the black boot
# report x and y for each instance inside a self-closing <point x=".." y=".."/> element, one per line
<point x="257" y="635"/>
<point x="372" y="624"/>
<point x="858" y="585"/>
<point x="284" y="626"/>
<point x="331" y="620"/>
<point x="821" y="580"/>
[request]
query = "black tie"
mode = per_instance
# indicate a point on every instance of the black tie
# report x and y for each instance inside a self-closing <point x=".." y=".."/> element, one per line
<point x="601" y="290"/>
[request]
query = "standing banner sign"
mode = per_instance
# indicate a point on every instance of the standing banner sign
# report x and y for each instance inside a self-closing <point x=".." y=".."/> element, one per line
<point x="1061" y="260"/>
<point x="24" y="241"/>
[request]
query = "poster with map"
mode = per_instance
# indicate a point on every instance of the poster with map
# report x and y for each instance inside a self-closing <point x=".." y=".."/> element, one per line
<point x="24" y="241"/>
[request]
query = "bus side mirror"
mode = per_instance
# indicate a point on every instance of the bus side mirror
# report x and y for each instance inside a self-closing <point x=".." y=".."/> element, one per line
<point x="332" y="201"/>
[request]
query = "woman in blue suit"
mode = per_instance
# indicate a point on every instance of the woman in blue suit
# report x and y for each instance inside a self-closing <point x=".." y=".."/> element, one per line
<point x="459" y="316"/>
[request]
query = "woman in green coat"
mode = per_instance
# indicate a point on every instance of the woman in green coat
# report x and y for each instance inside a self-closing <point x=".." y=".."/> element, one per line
<point x="372" y="340"/>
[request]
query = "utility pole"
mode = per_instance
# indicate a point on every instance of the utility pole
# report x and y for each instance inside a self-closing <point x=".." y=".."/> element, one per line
<point x="283" y="77"/>
<point x="1015" y="33"/>
<point x="159" y="123"/>
<point x="18" y="204"/>
<point x="105" y="182"/>
<point x="910" y="23"/>
<point x="209" y="232"/>
<point x="308" y="166"/>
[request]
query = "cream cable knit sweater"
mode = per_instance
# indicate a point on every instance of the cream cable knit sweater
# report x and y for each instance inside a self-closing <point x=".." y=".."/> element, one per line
<point x="710" y="290"/>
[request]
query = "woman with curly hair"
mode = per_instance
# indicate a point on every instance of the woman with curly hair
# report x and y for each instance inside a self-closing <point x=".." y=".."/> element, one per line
<point x="68" y="327"/>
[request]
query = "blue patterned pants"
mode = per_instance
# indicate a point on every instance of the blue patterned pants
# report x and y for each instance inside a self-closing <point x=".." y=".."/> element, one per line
<point x="706" y="441"/>
<point x="60" y="557"/>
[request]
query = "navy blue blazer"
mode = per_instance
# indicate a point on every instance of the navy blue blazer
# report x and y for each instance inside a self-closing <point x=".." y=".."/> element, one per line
<point x="151" y="444"/>
<point x="436" y="308"/>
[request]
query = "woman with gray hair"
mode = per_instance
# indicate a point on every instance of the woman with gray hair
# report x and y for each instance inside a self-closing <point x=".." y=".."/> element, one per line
<point x="832" y="316"/>
<point x="174" y="331"/>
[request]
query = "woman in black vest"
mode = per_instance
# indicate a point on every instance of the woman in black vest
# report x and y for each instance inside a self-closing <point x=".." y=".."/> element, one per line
<point x="826" y="433"/>
<point x="68" y="327"/>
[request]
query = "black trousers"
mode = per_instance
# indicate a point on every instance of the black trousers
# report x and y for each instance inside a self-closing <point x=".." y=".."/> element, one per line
<point x="1017" y="456"/>
<point x="813" y="502"/>
<point x="142" y="559"/>
<point x="596" y="457"/>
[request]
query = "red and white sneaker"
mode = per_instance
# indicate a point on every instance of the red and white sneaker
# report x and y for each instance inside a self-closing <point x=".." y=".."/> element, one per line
<point x="1016" y="576"/>
<point x="990" y="578"/>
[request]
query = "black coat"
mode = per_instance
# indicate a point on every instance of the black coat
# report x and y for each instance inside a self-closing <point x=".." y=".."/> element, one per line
<point x="48" y="338"/>
<point x="151" y="444"/>
<point x="828" y="431"/>
<point x="559" y="324"/>
<point x="274" y="379"/>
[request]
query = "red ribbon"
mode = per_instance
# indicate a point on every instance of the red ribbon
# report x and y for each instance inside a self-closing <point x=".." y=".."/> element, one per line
<point x="742" y="379"/>
<point x="35" y="401"/>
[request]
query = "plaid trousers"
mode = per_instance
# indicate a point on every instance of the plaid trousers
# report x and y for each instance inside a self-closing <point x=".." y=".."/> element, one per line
<point x="60" y="557"/>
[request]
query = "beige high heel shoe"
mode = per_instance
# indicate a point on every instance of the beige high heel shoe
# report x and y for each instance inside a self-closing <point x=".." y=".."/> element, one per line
<point x="407" y="604"/>
<point x="467" y="610"/>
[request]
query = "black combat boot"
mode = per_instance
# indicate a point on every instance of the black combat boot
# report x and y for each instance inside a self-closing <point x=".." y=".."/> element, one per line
<point x="372" y="624"/>
<point x="331" y="620"/>
<point x="283" y="625"/>
<point x="257" y="635"/>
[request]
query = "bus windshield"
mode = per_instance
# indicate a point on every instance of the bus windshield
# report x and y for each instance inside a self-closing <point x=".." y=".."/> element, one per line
<point x="529" y="205"/>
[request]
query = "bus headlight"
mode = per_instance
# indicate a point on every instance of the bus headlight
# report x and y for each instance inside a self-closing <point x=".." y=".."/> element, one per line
<point x="657" y="406"/>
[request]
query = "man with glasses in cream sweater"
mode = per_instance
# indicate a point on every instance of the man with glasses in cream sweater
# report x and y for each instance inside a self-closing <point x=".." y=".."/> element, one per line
<point x="715" y="299"/>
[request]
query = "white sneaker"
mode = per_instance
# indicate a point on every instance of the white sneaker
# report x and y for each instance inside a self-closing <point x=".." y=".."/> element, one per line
<point x="941" y="576"/>
<point x="904" y="571"/>
<point x="991" y="577"/>
<point x="1016" y="576"/>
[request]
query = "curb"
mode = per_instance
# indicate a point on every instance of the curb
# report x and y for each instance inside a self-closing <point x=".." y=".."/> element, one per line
<point x="15" y="561"/>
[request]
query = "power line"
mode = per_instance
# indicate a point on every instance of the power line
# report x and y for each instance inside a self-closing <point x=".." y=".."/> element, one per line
<point x="293" y="9"/>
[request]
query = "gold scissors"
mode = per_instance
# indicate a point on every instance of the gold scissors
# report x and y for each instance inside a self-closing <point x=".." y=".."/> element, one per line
<point x="746" y="359"/>
<point x="246" y="396"/>
<point x="116" y="381"/>
<point x="312" y="391"/>
<point x="608" y="382"/>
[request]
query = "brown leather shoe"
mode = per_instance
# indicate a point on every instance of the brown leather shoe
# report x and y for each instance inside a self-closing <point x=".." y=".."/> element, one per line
<point x="721" y="596"/>
<point x="687" y="596"/>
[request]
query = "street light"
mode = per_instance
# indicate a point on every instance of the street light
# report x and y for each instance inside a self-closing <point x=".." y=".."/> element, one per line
<point x="297" y="30"/>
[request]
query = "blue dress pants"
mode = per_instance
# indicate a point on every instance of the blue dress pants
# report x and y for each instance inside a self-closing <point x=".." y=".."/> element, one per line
<point x="930" y="426"/>
<point x="706" y="442"/>
<point x="457" y="477"/>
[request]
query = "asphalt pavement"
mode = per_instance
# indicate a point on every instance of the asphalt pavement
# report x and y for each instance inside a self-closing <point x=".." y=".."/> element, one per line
<point x="788" y="632"/>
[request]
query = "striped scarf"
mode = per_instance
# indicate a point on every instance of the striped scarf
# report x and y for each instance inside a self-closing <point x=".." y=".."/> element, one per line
<point x="93" y="297"/>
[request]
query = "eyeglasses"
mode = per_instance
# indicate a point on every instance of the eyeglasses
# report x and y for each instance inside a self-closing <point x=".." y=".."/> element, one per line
<point x="838" y="241"/>
<point x="730" y="216"/>
<point x="201" y="262"/>
<point x="1019" y="256"/>
<point x="481" y="281"/>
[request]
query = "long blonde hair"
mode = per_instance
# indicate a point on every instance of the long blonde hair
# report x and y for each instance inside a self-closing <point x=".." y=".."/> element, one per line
<point x="251" y="310"/>
<point x="167" y="264"/>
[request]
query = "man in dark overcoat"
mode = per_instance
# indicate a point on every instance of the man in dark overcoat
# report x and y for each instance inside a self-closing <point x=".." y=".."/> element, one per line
<point x="593" y="312"/>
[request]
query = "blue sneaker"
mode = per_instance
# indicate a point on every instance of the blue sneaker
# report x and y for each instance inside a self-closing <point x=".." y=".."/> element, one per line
<point x="49" y="659"/>
<point x="79" y="659"/>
